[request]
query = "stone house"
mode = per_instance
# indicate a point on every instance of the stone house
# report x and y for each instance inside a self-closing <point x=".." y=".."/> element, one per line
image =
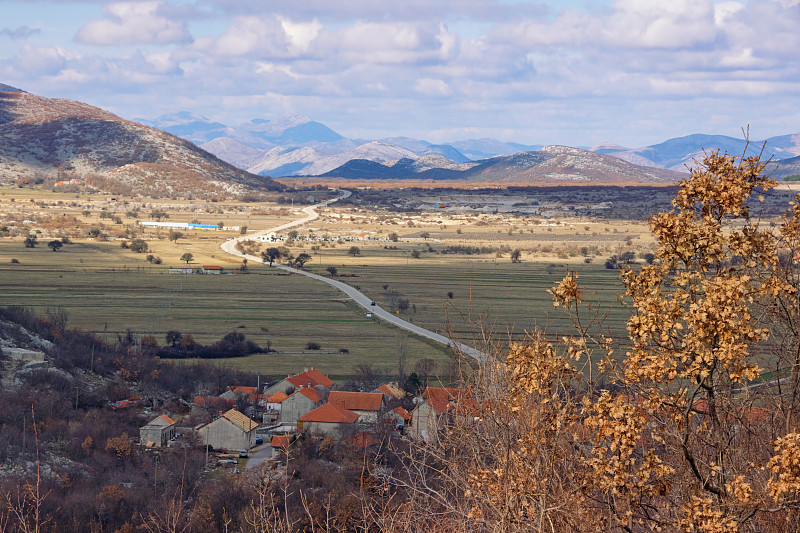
<point x="297" y="404"/>
<point x="158" y="432"/>
<point x="438" y="405"/>
<point x="232" y="430"/>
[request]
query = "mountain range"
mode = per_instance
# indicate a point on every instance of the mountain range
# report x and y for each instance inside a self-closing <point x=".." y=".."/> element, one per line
<point x="48" y="140"/>
<point x="294" y="145"/>
<point x="297" y="146"/>
<point x="45" y="140"/>
<point x="550" y="165"/>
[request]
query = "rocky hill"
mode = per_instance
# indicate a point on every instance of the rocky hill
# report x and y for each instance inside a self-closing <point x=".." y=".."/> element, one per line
<point x="550" y="165"/>
<point x="44" y="140"/>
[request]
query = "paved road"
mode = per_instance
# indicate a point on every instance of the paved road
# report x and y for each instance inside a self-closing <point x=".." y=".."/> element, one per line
<point x="357" y="296"/>
<point x="258" y="455"/>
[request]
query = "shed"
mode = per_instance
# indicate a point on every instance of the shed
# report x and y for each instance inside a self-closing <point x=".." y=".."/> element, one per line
<point x="158" y="431"/>
<point x="211" y="269"/>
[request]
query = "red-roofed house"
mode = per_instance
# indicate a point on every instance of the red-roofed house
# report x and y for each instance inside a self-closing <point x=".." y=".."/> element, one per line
<point x="272" y="411"/>
<point x="328" y="419"/>
<point x="279" y="444"/>
<point x="307" y="378"/>
<point x="297" y="404"/>
<point x="212" y="269"/>
<point x="366" y="404"/>
<point x="157" y="432"/>
<point x="438" y="403"/>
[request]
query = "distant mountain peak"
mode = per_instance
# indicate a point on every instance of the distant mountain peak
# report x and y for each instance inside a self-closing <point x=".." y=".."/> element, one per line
<point x="607" y="146"/>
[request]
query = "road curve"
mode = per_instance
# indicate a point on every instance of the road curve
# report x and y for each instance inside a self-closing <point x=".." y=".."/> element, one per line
<point x="358" y="297"/>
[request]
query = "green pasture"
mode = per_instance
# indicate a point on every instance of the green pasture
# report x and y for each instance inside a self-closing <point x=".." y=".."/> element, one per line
<point x="107" y="292"/>
<point x="489" y="294"/>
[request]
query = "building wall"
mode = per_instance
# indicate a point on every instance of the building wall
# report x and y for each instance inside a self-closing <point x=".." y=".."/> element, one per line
<point x="160" y="435"/>
<point x="222" y="433"/>
<point x="280" y="386"/>
<point x="424" y="422"/>
<point x="294" y="407"/>
<point x="367" y="417"/>
<point x="334" y="429"/>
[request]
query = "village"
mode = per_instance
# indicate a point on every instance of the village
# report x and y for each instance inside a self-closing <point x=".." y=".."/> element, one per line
<point x="246" y="426"/>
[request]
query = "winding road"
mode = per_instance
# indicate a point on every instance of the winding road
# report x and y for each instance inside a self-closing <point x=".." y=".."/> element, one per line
<point x="358" y="297"/>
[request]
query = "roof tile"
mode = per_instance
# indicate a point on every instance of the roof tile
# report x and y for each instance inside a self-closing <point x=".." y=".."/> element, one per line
<point x="329" y="413"/>
<point x="358" y="401"/>
<point x="310" y="378"/>
<point x="240" y="419"/>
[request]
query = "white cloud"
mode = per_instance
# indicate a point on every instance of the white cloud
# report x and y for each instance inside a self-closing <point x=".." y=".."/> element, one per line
<point x="162" y="63"/>
<point x="442" y="65"/>
<point x="724" y="11"/>
<point x="300" y="35"/>
<point x="393" y="43"/>
<point x="133" y="23"/>
<point x="659" y="24"/>
<point x="431" y="87"/>
<point x="263" y="37"/>
<point x="41" y="61"/>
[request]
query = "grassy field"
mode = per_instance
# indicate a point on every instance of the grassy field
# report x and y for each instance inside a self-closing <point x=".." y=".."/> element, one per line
<point x="106" y="294"/>
<point x="108" y="290"/>
<point x="456" y="293"/>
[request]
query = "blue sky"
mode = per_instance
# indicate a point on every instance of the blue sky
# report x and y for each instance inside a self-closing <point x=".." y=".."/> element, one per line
<point x="577" y="72"/>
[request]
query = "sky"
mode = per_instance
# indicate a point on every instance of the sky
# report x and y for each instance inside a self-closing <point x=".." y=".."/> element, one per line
<point x="574" y="72"/>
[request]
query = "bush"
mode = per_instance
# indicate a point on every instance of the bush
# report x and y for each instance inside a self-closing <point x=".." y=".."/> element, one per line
<point x="139" y="246"/>
<point x="313" y="345"/>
